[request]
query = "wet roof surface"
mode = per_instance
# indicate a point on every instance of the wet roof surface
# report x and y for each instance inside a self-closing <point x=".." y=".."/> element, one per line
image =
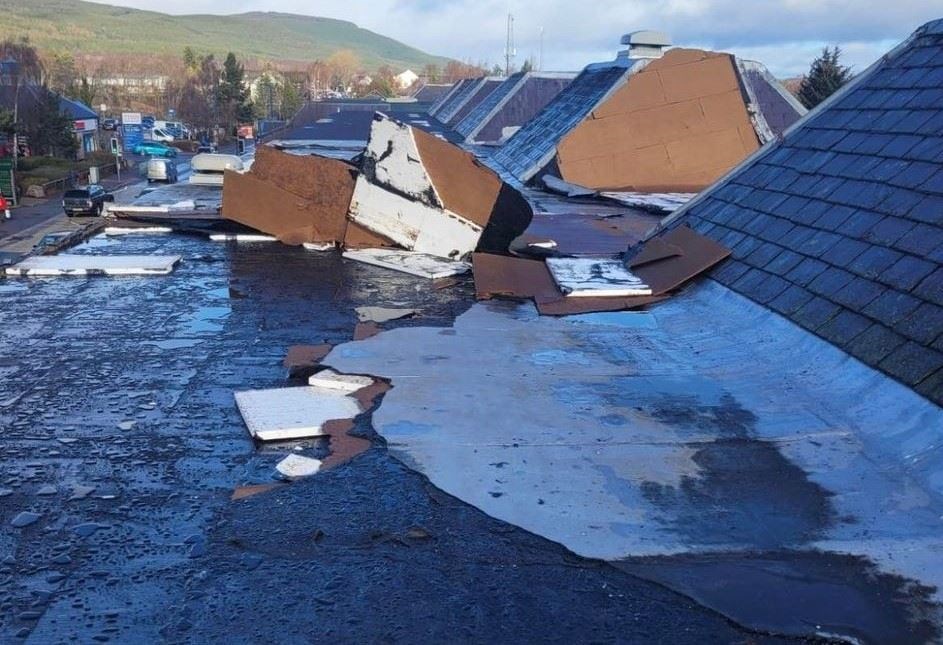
<point x="840" y="226"/>
<point x="674" y="440"/>
<point x="481" y="111"/>
<point x="126" y="385"/>
<point x="527" y="150"/>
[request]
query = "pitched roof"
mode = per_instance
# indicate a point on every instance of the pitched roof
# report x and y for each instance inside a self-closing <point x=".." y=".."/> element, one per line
<point x="839" y="226"/>
<point x="76" y="109"/>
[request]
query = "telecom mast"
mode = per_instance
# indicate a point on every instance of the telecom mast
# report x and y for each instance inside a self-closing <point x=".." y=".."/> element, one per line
<point x="509" y="51"/>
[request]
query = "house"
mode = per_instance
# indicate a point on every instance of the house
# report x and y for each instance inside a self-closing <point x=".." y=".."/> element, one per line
<point x="653" y="120"/>
<point x="406" y="79"/>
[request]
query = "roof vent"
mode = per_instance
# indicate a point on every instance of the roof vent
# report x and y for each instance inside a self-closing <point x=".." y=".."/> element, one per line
<point x="645" y="44"/>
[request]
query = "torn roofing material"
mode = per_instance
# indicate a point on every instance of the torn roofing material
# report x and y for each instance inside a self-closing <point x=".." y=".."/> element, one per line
<point x="430" y="196"/>
<point x="293" y="412"/>
<point x="514" y="103"/>
<point x="672" y="124"/>
<point x="297" y="199"/>
<point x="418" y="264"/>
<point x="89" y="265"/>
<point x="839" y="226"/>
<point x="595" y="277"/>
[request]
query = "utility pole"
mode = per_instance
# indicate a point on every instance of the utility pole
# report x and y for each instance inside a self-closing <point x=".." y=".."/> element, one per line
<point x="509" y="51"/>
<point x="540" y="58"/>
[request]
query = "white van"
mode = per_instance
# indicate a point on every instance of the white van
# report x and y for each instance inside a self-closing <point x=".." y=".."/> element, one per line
<point x="159" y="134"/>
<point x="209" y="169"/>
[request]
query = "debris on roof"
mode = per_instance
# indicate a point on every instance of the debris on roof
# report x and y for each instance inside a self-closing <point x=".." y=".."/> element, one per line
<point x="294" y="466"/>
<point x="364" y="330"/>
<point x="660" y="203"/>
<point x="383" y="314"/>
<point x="430" y="196"/>
<point x="586" y="277"/>
<point x="304" y="357"/>
<point x="87" y="265"/>
<point x="839" y="225"/>
<point x="515" y="102"/>
<point x="669" y="124"/>
<point x="297" y="199"/>
<point x="347" y="383"/>
<point x="417" y="264"/>
<point x="293" y="412"/>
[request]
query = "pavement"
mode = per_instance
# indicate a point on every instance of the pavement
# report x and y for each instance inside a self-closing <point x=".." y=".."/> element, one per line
<point x="123" y="446"/>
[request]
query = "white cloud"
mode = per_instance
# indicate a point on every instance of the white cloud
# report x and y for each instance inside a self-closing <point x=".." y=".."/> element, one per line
<point x="784" y="34"/>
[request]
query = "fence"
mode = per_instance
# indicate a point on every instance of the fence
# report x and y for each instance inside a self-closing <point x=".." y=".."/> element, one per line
<point x="80" y="177"/>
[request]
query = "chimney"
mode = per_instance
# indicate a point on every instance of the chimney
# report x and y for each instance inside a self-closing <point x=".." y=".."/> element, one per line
<point x="645" y="44"/>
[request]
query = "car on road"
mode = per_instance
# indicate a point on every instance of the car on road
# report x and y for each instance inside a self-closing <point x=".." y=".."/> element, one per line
<point x="110" y="124"/>
<point x="154" y="149"/>
<point x="206" y="148"/>
<point x="86" y="200"/>
<point x="164" y="170"/>
<point x="162" y="135"/>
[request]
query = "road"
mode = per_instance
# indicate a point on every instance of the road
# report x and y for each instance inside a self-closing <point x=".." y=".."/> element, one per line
<point x="37" y="217"/>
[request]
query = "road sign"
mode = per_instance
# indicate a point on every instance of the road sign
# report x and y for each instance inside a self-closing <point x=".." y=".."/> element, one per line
<point x="130" y="118"/>
<point x="131" y="136"/>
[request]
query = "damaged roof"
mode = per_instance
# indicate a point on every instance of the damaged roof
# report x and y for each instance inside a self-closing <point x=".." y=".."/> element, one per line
<point x="675" y="123"/>
<point x="839" y="226"/>
<point x="462" y="105"/>
<point x="519" y="98"/>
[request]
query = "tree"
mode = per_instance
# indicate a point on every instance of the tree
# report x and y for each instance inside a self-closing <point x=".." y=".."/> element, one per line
<point x="825" y="77"/>
<point x="232" y="96"/>
<point x="528" y="66"/>
<point x="6" y="122"/>
<point x="50" y="131"/>
<point x="342" y="66"/>
<point x="191" y="62"/>
<point x="291" y="100"/>
<point x="83" y="91"/>
<point x="60" y="72"/>
<point x="431" y="73"/>
<point x="27" y="67"/>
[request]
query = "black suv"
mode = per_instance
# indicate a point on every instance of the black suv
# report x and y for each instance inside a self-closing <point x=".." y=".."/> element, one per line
<point x="88" y="200"/>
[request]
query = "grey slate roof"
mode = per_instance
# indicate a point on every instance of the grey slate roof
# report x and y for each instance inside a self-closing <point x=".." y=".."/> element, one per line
<point x="483" y="109"/>
<point x="840" y="225"/>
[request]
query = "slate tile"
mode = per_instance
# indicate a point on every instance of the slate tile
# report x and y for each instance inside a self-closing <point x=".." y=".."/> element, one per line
<point x="819" y="244"/>
<point x="844" y="327"/>
<point x="874" y="344"/>
<point x="791" y="300"/>
<point x="824" y="188"/>
<point x="932" y="387"/>
<point x="862" y="194"/>
<point x="833" y="217"/>
<point x="915" y="121"/>
<point x="784" y="262"/>
<point x="933" y="125"/>
<point x="776" y="229"/>
<point x="804" y="184"/>
<point x="866" y="120"/>
<point x="851" y="142"/>
<point x="921" y="239"/>
<point x="828" y="283"/>
<point x="915" y="174"/>
<point x="845" y="252"/>
<point x="900" y="202"/>
<point x="907" y="272"/>
<point x="816" y="313"/>
<point x="763" y="254"/>
<point x="729" y="271"/>
<point x="731" y="238"/>
<point x="872" y="143"/>
<point x="766" y="289"/>
<point x="745" y="247"/>
<point x="931" y="287"/>
<point x="912" y="362"/>
<point x="806" y="271"/>
<point x="924" y="98"/>
<point x="757" y="223"/>
<point x="934" y="184"/>
<point x="782" y="180"/>
<point x="800" y="235"/>
<point x="924" y="325"/>
<point x="752" y="285"/>
<point x="892" y="306"/>
<point x="929" y="210"/>
<point x="858" y="293"/>
<point x="889" y="230"/>
<point x="930" y="149"/>
<point x="875" y="261"/>
<point x="888" y="169"/>
<point x="860" y="223"/>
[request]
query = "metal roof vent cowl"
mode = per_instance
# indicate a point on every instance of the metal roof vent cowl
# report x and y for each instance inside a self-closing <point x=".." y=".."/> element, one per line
<point x="645" y="44"/>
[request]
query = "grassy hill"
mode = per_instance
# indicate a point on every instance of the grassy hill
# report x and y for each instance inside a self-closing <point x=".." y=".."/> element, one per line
<point x="89" y="28"/>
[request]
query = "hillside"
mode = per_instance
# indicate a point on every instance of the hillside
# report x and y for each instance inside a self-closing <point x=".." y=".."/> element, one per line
<point x="88" y="28"/>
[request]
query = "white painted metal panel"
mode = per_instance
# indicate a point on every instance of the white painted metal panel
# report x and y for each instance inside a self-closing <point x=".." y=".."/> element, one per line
<point x="418" y="264"/>
<point x="83" y="265"/>
<point x="579" y="277"/>
<point x="346" y="383"/>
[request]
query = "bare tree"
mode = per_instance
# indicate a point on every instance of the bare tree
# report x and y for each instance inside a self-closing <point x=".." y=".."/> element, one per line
<point x="27" y="68"/>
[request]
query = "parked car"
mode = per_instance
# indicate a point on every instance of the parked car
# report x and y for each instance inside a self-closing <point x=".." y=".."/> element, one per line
<point x="86" y="200"/>
<point x="110" y="124"/>
<point x="147" y="121"/>
<point x="154" y="149"/>
<point x="164" y="170"/>
<point x="208" y="148"/>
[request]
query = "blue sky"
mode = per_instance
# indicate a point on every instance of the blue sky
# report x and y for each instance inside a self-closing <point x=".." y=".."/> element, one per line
<point x="784" y="34"/>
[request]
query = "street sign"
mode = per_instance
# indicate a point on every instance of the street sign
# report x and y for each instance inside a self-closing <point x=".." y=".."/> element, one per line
<point x="130" y="118"/>
<point x="132" y="135"/>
